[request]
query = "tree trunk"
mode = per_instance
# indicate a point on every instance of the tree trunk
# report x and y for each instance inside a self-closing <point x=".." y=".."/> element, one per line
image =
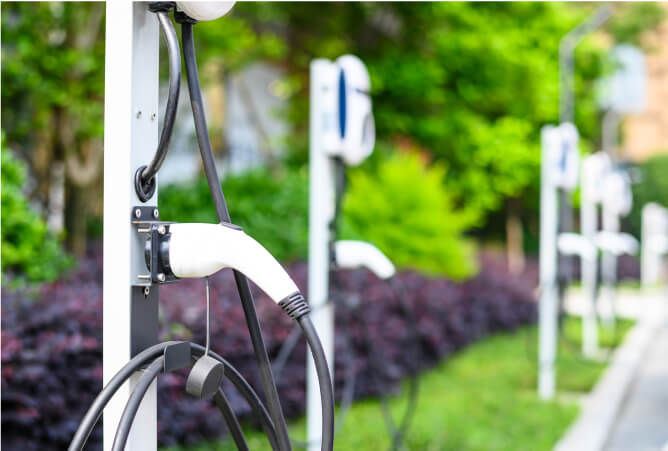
<point x="514" y="237"/>
<point x="75" y="219"/>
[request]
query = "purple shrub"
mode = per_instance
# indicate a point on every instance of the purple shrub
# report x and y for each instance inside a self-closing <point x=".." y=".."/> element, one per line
<point x="52" y="354"/>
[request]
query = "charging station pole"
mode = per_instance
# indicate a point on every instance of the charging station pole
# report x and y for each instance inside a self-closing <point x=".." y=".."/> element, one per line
<point x="567" y="46"/>
<point x="594" y="168"/>
<point x="130" y="303"/>
<point x="547" y="308"/>
<point x="555" y="210"/>
<point x="321" y="213"/>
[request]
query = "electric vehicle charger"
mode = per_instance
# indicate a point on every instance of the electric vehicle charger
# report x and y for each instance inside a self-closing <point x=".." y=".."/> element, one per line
<point x="175" y="256"/>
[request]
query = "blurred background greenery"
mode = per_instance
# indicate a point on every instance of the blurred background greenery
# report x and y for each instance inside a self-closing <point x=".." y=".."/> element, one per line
<point x="460" y="92"/>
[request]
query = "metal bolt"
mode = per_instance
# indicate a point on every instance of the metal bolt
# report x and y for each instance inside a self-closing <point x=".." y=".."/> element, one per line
<point x="144" y="276"/>
<point x="153" y="116"/>
<point x="161" y="277"/>
<point x="147" y="291"/>
<point x="143" y="230"/>
<point x="138" y="114"/>
<point x="162" y="230"/>
<point x="137" y="213"/>
<point x="156" y="213"/>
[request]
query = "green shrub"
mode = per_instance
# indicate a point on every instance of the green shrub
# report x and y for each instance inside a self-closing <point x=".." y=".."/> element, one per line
<point x="29" y="251"/>
<point x="271" y="208"/>
<point x="404" y="210"/>
<point x="652" y="186"/>
<point x="401" y="207"/>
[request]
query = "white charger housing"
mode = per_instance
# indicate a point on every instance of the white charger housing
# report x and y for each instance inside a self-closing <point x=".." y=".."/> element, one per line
<point x="350" y="129"/>
<point x="594" y="170"/>
<point x="203" y="11"/>
<point x="616" y="194"/>
<point x="564" y="158"/>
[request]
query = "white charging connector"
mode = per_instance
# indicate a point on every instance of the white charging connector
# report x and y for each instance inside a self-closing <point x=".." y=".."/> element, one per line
<point x="360" y="254"/>
<point x="576" y="244"/>
<point x="617" y="243"/>
<point x="199" y="250"/>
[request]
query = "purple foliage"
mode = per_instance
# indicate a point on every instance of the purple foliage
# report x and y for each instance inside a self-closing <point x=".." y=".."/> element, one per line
<point x="51" y="343"/>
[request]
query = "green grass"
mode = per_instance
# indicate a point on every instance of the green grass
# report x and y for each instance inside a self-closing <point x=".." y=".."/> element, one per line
<point x="482" y="398"/>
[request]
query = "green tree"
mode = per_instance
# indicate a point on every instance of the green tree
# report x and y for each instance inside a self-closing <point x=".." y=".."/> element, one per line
<point x="404" y="209"/>
<point x="470" y="83"/>
<point x="52" y="101"/>
<point x="28" y="249"/>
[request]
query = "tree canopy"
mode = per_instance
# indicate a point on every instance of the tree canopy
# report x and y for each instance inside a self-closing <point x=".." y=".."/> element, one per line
<point x="470" y="84"/>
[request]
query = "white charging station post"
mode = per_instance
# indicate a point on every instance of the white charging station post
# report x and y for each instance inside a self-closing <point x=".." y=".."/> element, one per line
<point x="559" y="170"/>
<point x="547" y="308"/>
<point x="130" y="305"/>
<point x="616" y="202"/>
<point x="341" y="126"/>
<point x="624" y="92"/>
<point x="555" y="211"/>
<point x="321" y="212"/>
<point x="594" y="168"/>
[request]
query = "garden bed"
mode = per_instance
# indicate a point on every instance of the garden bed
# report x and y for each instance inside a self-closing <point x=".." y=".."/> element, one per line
<point x="482" y="398"/>
<point x="51" y="344"/>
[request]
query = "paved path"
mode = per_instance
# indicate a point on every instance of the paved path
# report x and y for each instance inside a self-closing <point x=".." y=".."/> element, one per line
<point x="628" y="408"/>
<point x="642" y="423"/>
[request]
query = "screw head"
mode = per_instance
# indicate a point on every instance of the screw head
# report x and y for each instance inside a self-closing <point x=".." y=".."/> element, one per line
<point x="153" y="116"/>
<point x="162" y="230"/>
<point x="156" y="213"/>
<point x="161" y="277"/>
<point x="137" y="213"/>
<point x="147" y="291"/>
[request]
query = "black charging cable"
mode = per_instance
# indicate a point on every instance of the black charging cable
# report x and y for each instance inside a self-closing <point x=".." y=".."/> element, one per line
<point x="132" y="406"/>
<point x="296" y="308"/>
<point x="145" y="175"/>
<point x="247" y="302"/>
<point x="150" y="355"/>
<point x="348" y="395"/>
<point x="397" y="429"/>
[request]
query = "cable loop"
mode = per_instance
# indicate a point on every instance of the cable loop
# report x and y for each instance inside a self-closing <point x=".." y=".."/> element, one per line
<point x="145" y="177"/>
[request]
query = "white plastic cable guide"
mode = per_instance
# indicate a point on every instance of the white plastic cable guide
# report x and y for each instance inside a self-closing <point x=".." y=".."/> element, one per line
<point x="359" y="254"/>
<point x="594" y="168"/>
<point x="199" y="250"/>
